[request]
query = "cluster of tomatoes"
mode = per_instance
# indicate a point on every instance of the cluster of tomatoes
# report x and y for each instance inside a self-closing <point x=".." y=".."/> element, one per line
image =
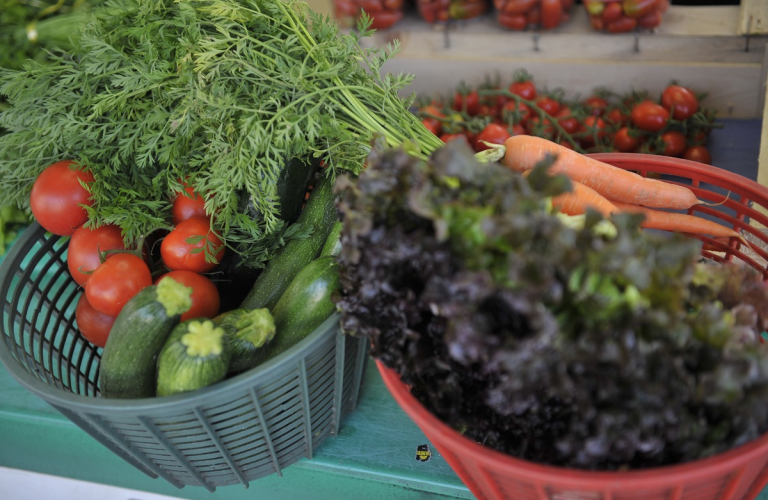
<point x="673" y="125"/>
<point x="111" y="271"/>
<point x="521" y="14"/>
<point x="621" y="16"/>
<point x="384" y="13"/>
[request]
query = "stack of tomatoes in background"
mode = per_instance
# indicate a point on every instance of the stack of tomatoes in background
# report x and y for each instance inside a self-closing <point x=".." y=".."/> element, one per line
<point x="384" y="13"/>
<point x="672" y="124"/>
<point x="621" y="16"/>
<point x="111" y="270"/>
<point x="523" y="14"/>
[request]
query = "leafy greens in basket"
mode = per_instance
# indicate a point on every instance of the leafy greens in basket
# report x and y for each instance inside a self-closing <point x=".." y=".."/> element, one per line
<point x="557" y="344"/>
<point x="221" y="93"/>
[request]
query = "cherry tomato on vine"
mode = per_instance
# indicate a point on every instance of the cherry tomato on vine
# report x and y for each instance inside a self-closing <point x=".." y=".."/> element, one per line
<point x="184" y="246"/>
<point x="625" y="142"/>
<point x="548" y="105"/>
<point x="470" y="101"/>
<point x="493" y="133"/>
<point x="649" y="116"/>
<point x="187" y="205"/>
<point x="518" y="129"/>
<point x="535" y="126"/>
<point x="525" y="89"/>
<point x="616" y="117"/>
<point x="93" y="325"/>
<point x="205" y="295"/>
<point x="591" y="127"/>
<point x="699" y="154"/>
<point x="116" y="281"/>
<point x="86" y="248"/>
<point x="596" y="105"/>
<point x="674" y="143"/>
<point x="680" y="101"/>
<point x="518" y="113"/>
<point x="57" y="195"/>
<point x="569" y="123"/>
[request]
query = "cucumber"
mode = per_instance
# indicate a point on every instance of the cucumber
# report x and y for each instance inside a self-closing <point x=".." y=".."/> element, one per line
<point x="246" y="331"/>
<point x="304" y="306"/>
<point x="128" y="363"/>
<point x="291" y="184"/>
<point x="195" y="355"/>
<point x="332" y="244"/>
<point x="320" y="215"/>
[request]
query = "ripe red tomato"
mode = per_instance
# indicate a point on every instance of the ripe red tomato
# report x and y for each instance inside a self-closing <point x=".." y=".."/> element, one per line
<point x="205" y="295"/>
<point x="592" y="126"/>
<point x="681" y="99"/>
<point x="385" y="19"/>
<point x="650" y="20"/>
<point x="518" y="129"/>
<point x="525" y="89"/>
<point x="611" y="12"/>
<point x="534" y="16"/>
<point x="624" y="142"/>
<point x="493" y="133"/>
<point x="518" y="6"/>
<point x="621" y="25"/>
<point x="674" y="143"/>
<point x="432" y="125"/>
<point x="616" y="117"/>
<point x="649" y="116"/>
<point x="87" y="245"/>
<point x="183" y="248"/>
<point x="534" y="126"/>
<point x="513" y="21"/>
<point x="518" y="113"/>
<point x="116" y="281"/>
<point x="551" y="13"/>
<point x="93" y="325"/>
<point x="470" y="101"/>
<point x="569" y="123"/>
<point x="446" y="138"/>
<point x="699" y="154"/>
<point x="548" y="105"/>
<point x="187" y="205"/>
<point x="638" y="8"/>
<point x="57" y="195"/>
<point x="596" y="105"/>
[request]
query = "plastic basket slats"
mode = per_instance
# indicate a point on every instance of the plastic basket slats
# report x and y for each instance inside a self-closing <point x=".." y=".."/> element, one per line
<point x="668" y="493"/>
<point x="759" y="480"/>
<point x="510" y="488"/>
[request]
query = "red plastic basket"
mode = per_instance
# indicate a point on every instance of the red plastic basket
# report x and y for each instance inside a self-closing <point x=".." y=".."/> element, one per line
<point x="739" y="474"/>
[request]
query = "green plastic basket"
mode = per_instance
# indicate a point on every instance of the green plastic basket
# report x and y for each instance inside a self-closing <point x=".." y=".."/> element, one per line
<point x="239" y="430"/>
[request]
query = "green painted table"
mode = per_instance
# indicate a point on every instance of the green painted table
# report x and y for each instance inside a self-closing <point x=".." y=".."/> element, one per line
<point x="373" y="457"/>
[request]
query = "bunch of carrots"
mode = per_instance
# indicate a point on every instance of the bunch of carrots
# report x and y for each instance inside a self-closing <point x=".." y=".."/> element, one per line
<point x="608" y="189"/>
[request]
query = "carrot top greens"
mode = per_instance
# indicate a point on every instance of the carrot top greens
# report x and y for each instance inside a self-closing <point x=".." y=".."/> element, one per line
<point x="218" y="92"/>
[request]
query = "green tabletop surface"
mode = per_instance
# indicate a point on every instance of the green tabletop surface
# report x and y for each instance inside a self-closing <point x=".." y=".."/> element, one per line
<point x="373" y="457"/>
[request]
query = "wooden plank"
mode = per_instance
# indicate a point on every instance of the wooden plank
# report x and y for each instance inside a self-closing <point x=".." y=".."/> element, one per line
<point x="753" y="17"/>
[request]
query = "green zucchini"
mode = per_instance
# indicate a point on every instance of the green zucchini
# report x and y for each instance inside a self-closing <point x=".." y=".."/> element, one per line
<point x="303" y="307"/>
<point x="127" y="368"/>
<point x="246" y="331"/>
<point x="195" y="355"/>
<point x="332" y="244"/>
<point x="320" y="215"/>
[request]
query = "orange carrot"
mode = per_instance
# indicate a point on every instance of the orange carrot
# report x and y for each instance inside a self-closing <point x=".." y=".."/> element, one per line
<point x="577" y="201"/>
<point x="679" y="223"/>
<point x="523" y="152"/>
